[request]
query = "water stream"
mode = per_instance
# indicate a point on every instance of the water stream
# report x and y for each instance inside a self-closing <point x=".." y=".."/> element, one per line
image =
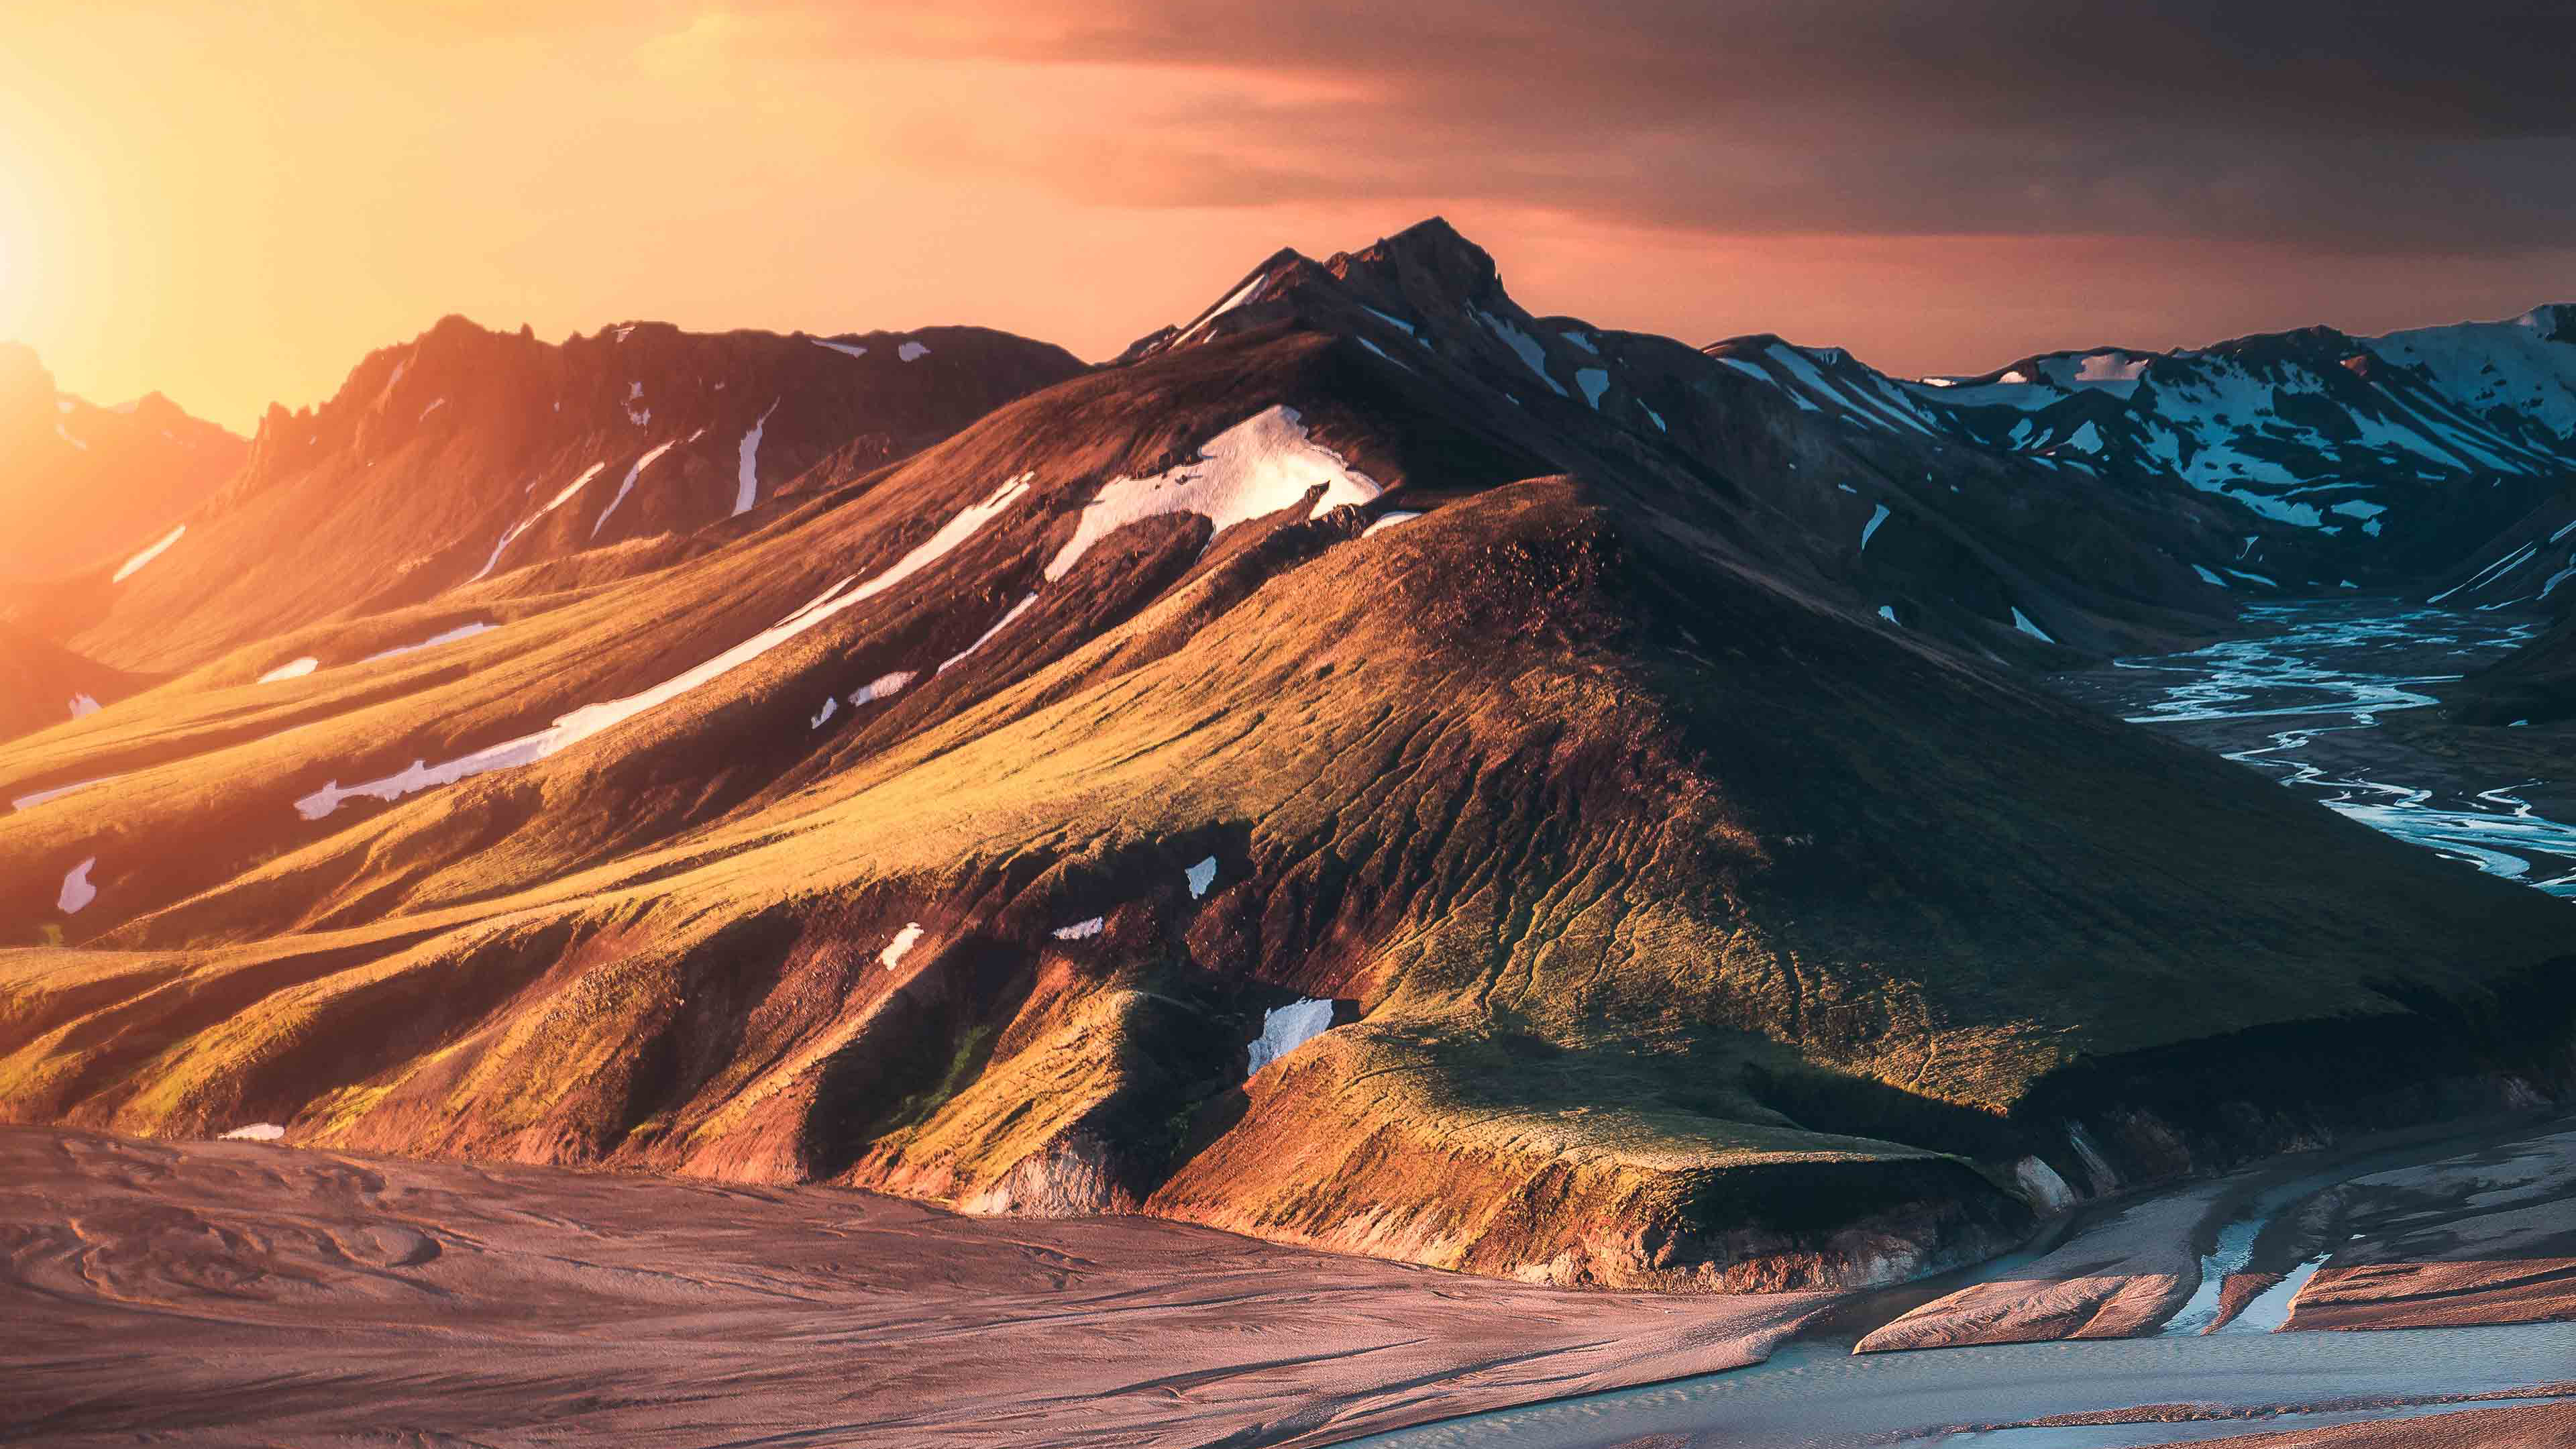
<point x="2304" y="699"/>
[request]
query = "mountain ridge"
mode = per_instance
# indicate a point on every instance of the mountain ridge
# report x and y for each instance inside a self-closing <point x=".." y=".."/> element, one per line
<point x="1646" y="908"/>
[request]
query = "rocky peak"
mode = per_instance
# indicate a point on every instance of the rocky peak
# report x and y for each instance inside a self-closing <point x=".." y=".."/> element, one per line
<point x="1426" y="261"/>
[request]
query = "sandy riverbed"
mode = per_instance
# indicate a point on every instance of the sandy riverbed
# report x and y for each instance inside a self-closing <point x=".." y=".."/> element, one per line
<point x="239" y="1293"/>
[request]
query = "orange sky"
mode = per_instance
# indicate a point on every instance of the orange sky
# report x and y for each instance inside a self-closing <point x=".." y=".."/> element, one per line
<point x="232" y="202"/>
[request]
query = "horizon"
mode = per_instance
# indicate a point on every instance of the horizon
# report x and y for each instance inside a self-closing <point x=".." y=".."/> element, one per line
<point x="249" y="425"/>
<point x="230" y="208"/>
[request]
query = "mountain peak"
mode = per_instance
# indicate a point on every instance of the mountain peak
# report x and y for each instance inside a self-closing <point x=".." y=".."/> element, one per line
<point x="1429" y="252"/>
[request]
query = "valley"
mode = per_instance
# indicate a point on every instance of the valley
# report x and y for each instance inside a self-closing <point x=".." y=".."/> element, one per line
<point x="1617" y="860"/>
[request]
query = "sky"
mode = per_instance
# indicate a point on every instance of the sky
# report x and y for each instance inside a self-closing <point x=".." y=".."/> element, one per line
<point x="232" y="203"/>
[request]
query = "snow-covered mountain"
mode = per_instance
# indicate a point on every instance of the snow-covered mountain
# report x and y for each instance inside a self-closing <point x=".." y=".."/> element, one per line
<point x="2377" y="461"/>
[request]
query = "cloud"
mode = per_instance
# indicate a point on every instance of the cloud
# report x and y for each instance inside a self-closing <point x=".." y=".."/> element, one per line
<point x="2339" y="127"/>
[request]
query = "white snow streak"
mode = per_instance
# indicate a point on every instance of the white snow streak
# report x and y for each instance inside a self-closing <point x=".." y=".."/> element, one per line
<point x="830" y="703"/>
<point x="255" y="1132"/>
<point x="291" y="669"/>
<point x="627" y="487"/>
<point x="126" y="570"/>
<point x="747" y="467"/>
<point x="2022" y="622"/>
<point x="84" y="704"/>
<point x="1000" y="624"/>
<point x="25" y="802"/>
<point x="1870" y="529"/>
<point x="911" y="352"/>
<point x="851" y="348"/>
<point x="1200" y="877"/>
<point x="1082" y="930"/>
<point x="461" y="631"/>
<point x="1388" y="520"/>
<point x="593" y="719"/>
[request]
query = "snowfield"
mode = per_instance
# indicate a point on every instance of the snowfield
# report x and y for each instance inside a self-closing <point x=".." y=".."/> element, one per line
<point x="1251" y="470"/>
<point x="1286" y="1028"/>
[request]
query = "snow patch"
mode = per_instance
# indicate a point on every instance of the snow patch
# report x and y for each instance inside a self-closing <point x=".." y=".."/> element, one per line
<point x="746" y="477"/>
<point x="450" y="636"/>
<point x="900" y="946"/>
<point x="884" y="686"/>
<point x="1531" y="353"/>
<point x="2207" y="577"/>
<point x="126" y="570"/>
<point x="1654" y="417"/>
<point x="627" y="487"/>
<point x="1200" y="877"/>
<point x="1888" y="612"/>
<point x="77" y="891"/>
<point x="433" y="407"/>
<point x="255" y="1132"/>
<point x="1869" y="530"/>
<point x="1594" y="381"/>
<point x="510" y="535"/>
<point x="1000" y="624"/>
<point x="2022" y="622"/>
<point x="24" y="802"/>
<point x="1388" y="520"/>
<point x="84" y="705"/>
<point x="911" y="352"/>
<point x="66" y="435"/>
<point x="850" y="348"/>
<point x="1286" y="1028"/>
<point x="1253" y="469"/>
<point x="291" y="669"/>
<point x="1081" y="930"/>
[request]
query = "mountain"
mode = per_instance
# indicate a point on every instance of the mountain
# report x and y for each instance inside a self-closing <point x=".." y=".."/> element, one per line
<point x="134" y="468"/>
<point x="2534" y="685"/>
<point x="1373" y="768"/>
<point x="468" y="455"/>
<point x="2327" y="460"/>
<point x="42" y="683"/>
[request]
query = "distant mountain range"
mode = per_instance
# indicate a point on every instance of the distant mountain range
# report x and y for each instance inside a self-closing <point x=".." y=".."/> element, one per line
<point x="1369" y="767"/>
<point x="86" y="484"/>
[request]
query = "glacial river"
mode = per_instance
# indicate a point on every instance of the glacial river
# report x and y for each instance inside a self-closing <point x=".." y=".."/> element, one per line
<point x="2305" y="698"/>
